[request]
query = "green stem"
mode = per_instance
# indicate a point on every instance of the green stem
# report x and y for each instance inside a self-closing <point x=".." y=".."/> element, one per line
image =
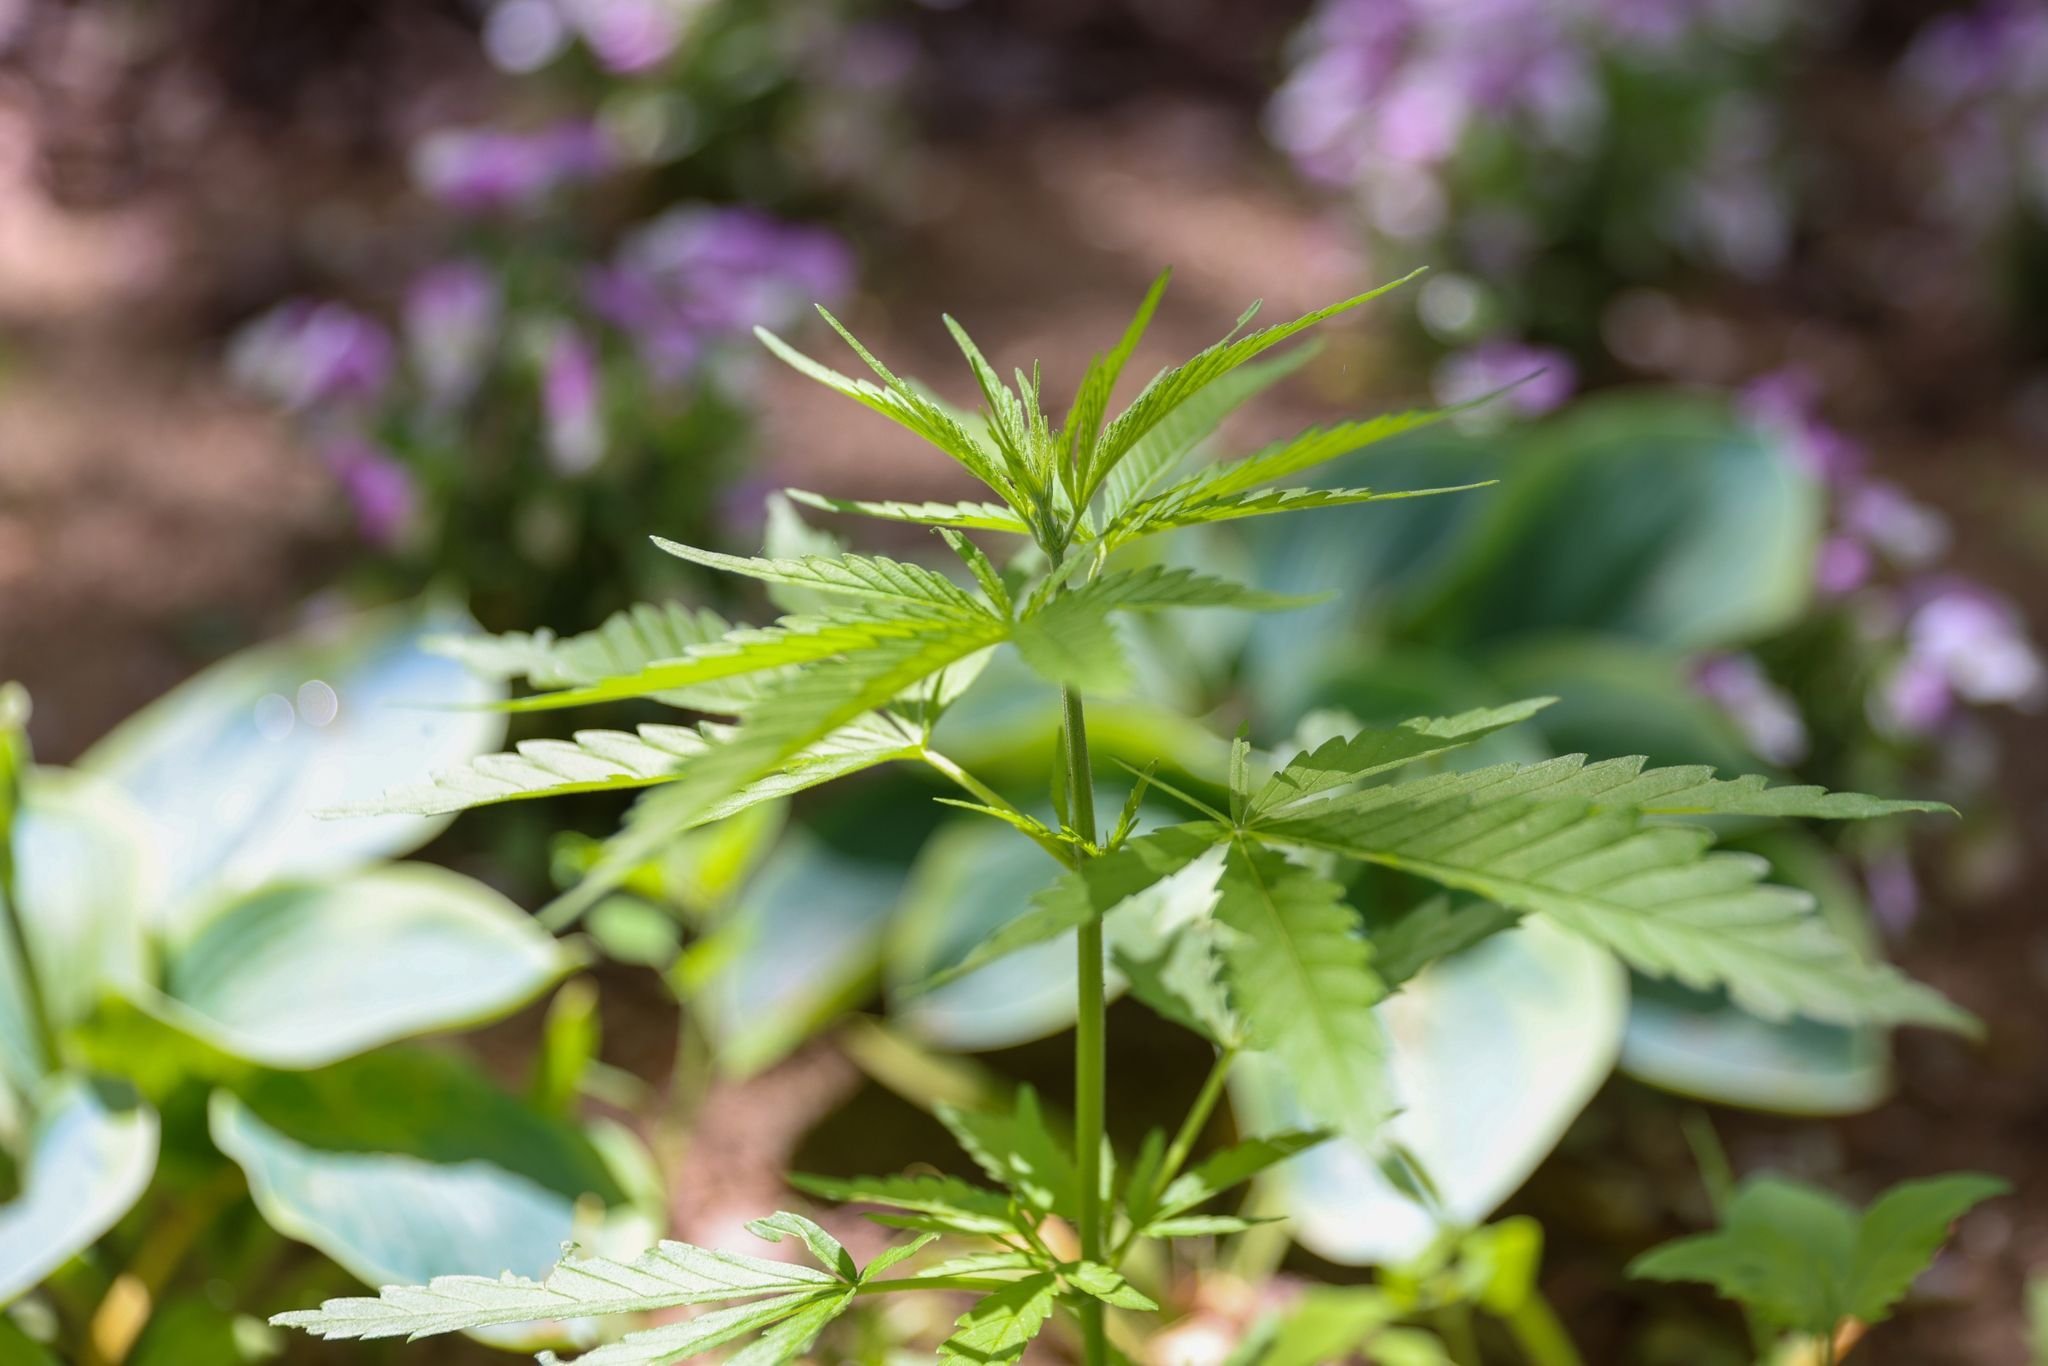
<point x="1454" y="1325"/>
<point x="34" y="1004"/>
<point x="932" y="1283"/>
<point x="1090" y="1025"/>
<point x="1198" y="1118"/>
<point x="1184" y="1141"/>
<point x="988" y="796"/>
<point x="1540" y="1335"/>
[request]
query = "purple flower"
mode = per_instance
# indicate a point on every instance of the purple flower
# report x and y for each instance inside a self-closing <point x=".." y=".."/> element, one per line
<point x="1543" y="376"/>
<point x="1982" y="79"/>
<point x="1913" y="699"/>
<point x="629" y="36"/>
<point x="305" y="353"/>
<point x="696" y="276"/>
<point x="379" y="488"/>
<point x="1785" y="404"/>
<point x="451" y="328"/>
<point x="1763" y="712"/>
<point x="480" y="170"/>
<point x="524" y="35"/>
<point x="1977" y="641"/>
<point x="1842" y="566"/>
<point x="872" y="57"/>
<point x="1883" y="517"/>
<point x="572" y="402"/>
<point x="1963" y="643"/>
<point x="1893" y="889"/>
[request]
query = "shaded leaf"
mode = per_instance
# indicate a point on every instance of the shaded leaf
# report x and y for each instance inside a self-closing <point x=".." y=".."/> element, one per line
<point x="1300" y="975"/>
<point x="999" y="1327"/>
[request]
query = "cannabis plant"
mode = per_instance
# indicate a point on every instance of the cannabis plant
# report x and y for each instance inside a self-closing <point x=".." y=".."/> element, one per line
<point x="1236" y="921"/>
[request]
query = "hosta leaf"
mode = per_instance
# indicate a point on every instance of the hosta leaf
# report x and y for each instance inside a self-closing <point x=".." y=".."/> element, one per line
<point x="1300" y="974"/>
<point x="999" y="1327"/>
<point x="965" y="1208"/>
<point x="669" y="1274"/>
<point x="1352" y="758"/>
<point x="959" y="516"/>
<point x="1018" y="1150"/>
<point x="1494" y="1053"/>
<point x="230" y="766"/>
<point x="611" y="760"/>
<point x="967" y="884"/>
<point x="1173" y="387"/>
<point x="90" y="1156"/>
<point x="870" y="577"/>
<point x="1530" y="838"/>
<point x="305" y="974"/>
<point x="86" y="876"/>
<point x="1178" y="972"/>
<point x="1438" y="928"/>
<point x="1231" y="1167"/>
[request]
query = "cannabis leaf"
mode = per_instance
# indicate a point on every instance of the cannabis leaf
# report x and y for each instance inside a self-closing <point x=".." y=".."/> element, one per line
<point x="1802" y="1259"/>
<point x="1175" y="386"/>
<point x="1232" y="1166"/>
<point x="1097" y="886"/>
<point x="870" y="577"/>
<point x="609" y="760"/>
<point x="793" y="714"/>
<point x="1546" y="839"/>
<point x="1172" y="439"/>
<point x="1019" y="1151"/>
<point x="629" y="639"/>
<point x="900" y="403"/>
<point x="942" y="1203"/>
<point x="1347" y="759"/>
<point x="1001" y="1324"/>
<point x="1300" y="974"/>
<point x="959" y="516"/>
<point x="667" y="1275"/>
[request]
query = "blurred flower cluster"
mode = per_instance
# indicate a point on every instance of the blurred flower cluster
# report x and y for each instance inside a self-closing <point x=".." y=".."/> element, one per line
<point x="1981" y="75"/>
<point x="523" y="411"/>
<point x="1977" y="79"/>
<point x="768" y="101"/>
<point x="1544" y="154"/>
<point x="514" y="374"/>
<point x="1884" y="677"/>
